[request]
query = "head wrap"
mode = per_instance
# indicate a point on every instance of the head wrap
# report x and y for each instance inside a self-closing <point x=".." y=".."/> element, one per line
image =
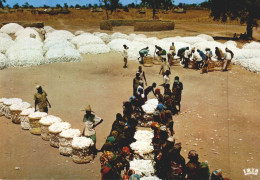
<point x="111" y="139"/>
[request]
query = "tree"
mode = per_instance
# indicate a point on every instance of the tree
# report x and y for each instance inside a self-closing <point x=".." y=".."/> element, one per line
<point x="155" y="4"/>
<point x="66" y="5"/>
<point x="205" y="4"/>
<point x="167" y="4"/>
<point x="106" y="7"/>
<point x="1" y="3"/>
<point x="113" y="5"/>
<point x="77" y="6"/>
<point x="58" y="6"/>
<point x="245" y="10"/>
<point x="26" y="5"/>
<point x="46" y="6"/>
<point x="16" y="6"/>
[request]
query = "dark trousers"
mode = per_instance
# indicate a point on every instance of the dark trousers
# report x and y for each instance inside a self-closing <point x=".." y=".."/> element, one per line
<point x="186" y="62"/>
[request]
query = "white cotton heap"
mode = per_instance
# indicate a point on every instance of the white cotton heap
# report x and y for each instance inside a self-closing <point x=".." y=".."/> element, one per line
<point x="3" y="61"/>
<point x="4" y="35"/>
<point x="5" y="44"/>
<point x="49" y="120"/>
<point x="11" y="28"/>
<point x="240" y="54"/>
<point x="94" y="49"/>
<point x="150" y="106"/>
<point x="252" y="45"/>
<point x="85" y="39"/>
<point x="149" y="178"/>
<point x="57" y="44"/>
<point x="232" y="44"/>
<point x="104" y="36"/>
<point x="27" y="112"/>
<point x="20" y="106"/>
<point x="12" y="101"/>
<point x="2" y="100"/>
<point x="26" y="33"/>
<point x="142" y="167"/>
<point x="70" y="133"/>
<point x="62" y="55"/>
<point x="252" y="64"/>
<point x="48" y="29"/>
<point x="118" y="35"/>
<point x="142" y="147"/>
<point x="82" y="142"/>
<point x="79" y="33"/>
<point x="59" y="34"/>
<point x="206" y="37"/>
<point x="59" y="127"/>
<point x="37" y="115"/>
<point x="143" y="135"/>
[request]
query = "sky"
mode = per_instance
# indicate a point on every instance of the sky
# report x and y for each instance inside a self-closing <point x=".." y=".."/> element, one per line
<point x="37" y="3"/>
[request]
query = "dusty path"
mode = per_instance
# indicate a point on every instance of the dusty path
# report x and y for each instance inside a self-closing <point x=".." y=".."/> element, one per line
<point x="222" y="106"/>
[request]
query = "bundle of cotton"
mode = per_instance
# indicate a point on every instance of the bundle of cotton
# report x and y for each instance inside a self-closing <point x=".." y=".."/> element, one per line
<point x="48" y="29"/>
<point x="11" y="28"/>
<point x="117" y="44"/>
<point x="11" y="101"/>
<point x="5" y="44"/>
<point x="57" y="44"/>
<point x="252" y="64"/>
<point x="118" y="35"/>
<point x="54" y="131"/>
<point x="104" y="36"/>
<point x="150" y="178"/>
<point x="78" y="33"/>
<point x="45" y="123"/>
<point x="230" y="44"/>
<point x="16" y="109"/>
<point x="82" y="142"/>
<point x="4" y="35"/>
<point x="25" y="58"/>
<point x="143" y="135"/>
<point x="2" y="106"/>
<point x="26" y="33"/>
<point x="62" y="55"/>
<point x="252" y="45"/>
<point x="37" y="115"/>
<point x="3" y="61"/>
<point x="206" y="37"/>
<point x="142" y="167"/>
<point x="148" y="41"/>
<point x="94" y="49"/>
<point x="34" y="118"/>
<point x="192" y="40"/>
<point x="66" y="138"/>
<point x="59" y="34"/>
<point x="150" y="106"/>
<point x="142" y="148"/>
<point x="133" y="37"/>
<point x="25" y="124"/>
<point x="85" y="39"/>
<point x="82" y="150"/>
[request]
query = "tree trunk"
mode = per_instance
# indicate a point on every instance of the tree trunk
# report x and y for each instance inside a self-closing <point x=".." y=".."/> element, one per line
<point x="249" y="30"/>
<point x="106" y="10"/>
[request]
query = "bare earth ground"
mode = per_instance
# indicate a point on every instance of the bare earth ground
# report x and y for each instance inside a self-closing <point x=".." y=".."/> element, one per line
<point x="220" y="111"/>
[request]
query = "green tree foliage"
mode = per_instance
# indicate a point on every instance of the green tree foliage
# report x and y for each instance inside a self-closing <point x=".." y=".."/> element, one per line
<point x="66" y="5"/>
<point x="157" y="4"/>
<point x="246" y="11"/>
<point x="58" y="6"/>
<point x="1" y="3"/>
<point x="113" y="5"/>
<point x="26" y="5"/>
<point x="16" y="6"/>
<point x="106" y="2"/>
<point x="77" y="6"/>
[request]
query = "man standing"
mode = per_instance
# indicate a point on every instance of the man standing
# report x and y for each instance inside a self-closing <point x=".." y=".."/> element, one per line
<point x="186" y="57"/>
<point x="228" y="57"/>
<point x="125" y="55"/>
<point x="171" y="54"/>
<point x="143" y="52"/>
<point x="203" y="57"/>
<point x="91" y="121"/>
<point x="142" y="75"/>
<point x="136" y="82"/>
<point x="197" y="58"/>
<point x="40" y="99"/>
<point x="165" y="66"/>
<point x="177" y="88"/>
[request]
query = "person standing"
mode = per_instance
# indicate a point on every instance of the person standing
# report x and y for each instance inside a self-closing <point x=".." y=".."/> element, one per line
<point x="177" y="88"/>
<point x="136" y="83"/>
<point x="142" y="74"/>
<point x="40" y="99"/>
<point x="91" y="121"/>
<point x="171" y="54"/>
<point x="197" y="58"/>
<point x="228" y="57"/>
<point x="165" y="66"/>
<point x="203" y="57"/>
<point x="186" y="57"/>
<point x="125" y="55"/>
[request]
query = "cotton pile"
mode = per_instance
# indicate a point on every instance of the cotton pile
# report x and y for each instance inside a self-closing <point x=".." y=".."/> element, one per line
<point x="59" y="34"/>
<point x="11" y="101"/>
<point x="26" y="33"/>
<point x="142" y="167"/>
<point x="62" y="55"/>
<point x="50" y="119"/>
<point x="3" y="61"/>
<point x="11" y="28"/>
<point x="150" y="178"/>
<point x="57" y="44"/>
<point x="5" y="44"/>
<point x="252" y="64"/>
<point x="206" y="37"/>
<point x="2" y="100"/>
<point x="150" y="106"/>
<point x="70" y="133"/>
<point x="27" y="112"/>
<point x="48" y="29"/>
<point x="4" y="35"/>
<point x="118" y="35"/>
<point x="79" y="33"/>
<point x="37" y="115"/>
<point x="143" y="135"/>
<point x="59" y="127"/>
<point x="104" y="36"/>
<point x="252" y="45"/>
<point x="20" y="106"/>
<point x="82" y="142"/>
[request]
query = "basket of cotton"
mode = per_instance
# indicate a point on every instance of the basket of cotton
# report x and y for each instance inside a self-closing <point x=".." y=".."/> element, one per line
<point x="211" y="66"/>
<point x="2" y="106"/>
<point x="16" y="109"/>
<point x="34" y="118"/>
<point x="66" y="138"/>
<point x="45" y="123"/>
<point x="82" y="150"/>
<point x="7" y="104"/>
<point x="25" y="123"/>
<point x="142" y="167"/>
<point x="54" y="131"/>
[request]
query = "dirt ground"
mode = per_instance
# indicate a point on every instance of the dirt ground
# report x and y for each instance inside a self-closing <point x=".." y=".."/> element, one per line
<point x="219" y="117"/>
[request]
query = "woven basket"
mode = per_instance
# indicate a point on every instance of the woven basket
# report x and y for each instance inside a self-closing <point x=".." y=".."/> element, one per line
<point x="7" y="111"/>
<point x="2" y="109"/>
<point x="149" y="156"/>
<point x="54" y="139"/>
<point x="148" y="61"/>
<point x="45" y="132"/>
<point x="211" y="66"/>
<point x="192" y="65"/>
<point x="25" y="123"/>
<point x="65" y="146"/>
<point x="82" y="156"/>
<point x="218" y="65"/>
<point x="15" y="116"/>
<point x="157" y="60"/>
<point x="35" y="126"/>
<point x="229" y="66"/>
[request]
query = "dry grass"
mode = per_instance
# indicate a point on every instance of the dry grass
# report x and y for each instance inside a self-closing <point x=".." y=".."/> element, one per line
<point x="154" y="26"/>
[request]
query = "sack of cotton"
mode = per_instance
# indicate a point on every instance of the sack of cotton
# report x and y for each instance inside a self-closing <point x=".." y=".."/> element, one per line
<point x="45" y="123"/>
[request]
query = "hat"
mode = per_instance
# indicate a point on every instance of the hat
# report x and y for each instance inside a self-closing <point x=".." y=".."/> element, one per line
<point x="37" y="86"/>
<point x="88" y="108"/>
<point x="157" y="91"/>
<point x="155" y="125"/>
<point x="160" y="106"/>
<point x="192" y="153"/>
<point x="111" y="139"/>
